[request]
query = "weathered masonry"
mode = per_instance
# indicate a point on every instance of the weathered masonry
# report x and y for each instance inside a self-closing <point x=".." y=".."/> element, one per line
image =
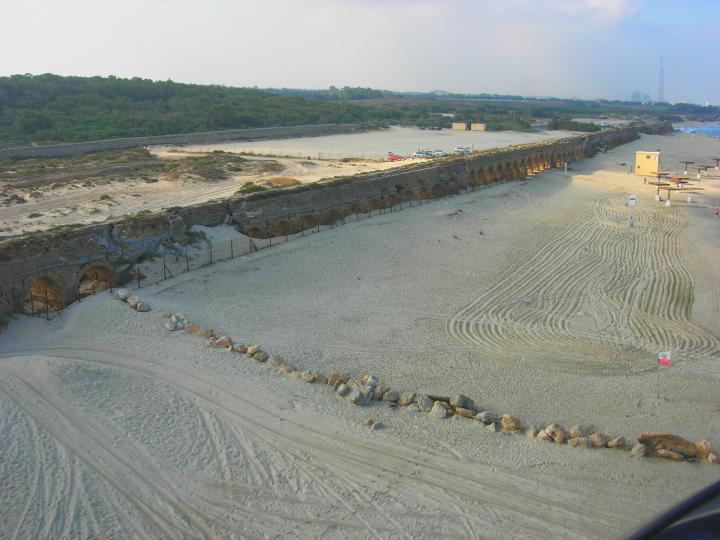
<point x="50" y="270"/>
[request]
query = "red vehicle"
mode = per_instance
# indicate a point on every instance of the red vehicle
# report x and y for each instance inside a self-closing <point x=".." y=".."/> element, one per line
<point x="394" y="157"/>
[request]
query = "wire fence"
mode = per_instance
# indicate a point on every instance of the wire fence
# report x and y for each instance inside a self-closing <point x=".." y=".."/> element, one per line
<point x="313" y="154"/>
<point x="176" y="260"/>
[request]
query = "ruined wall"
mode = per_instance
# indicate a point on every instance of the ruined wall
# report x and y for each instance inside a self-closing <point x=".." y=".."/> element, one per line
<point x="58" y="150"/>
<point x="62" y="256"/>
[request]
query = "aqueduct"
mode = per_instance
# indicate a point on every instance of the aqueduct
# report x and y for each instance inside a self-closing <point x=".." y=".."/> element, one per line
<point x="49" y="270"/>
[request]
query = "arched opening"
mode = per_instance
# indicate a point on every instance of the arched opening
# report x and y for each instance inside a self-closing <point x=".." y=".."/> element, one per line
<point x="437" y="191"/>
<point x="256" y="232"/>
<point x="309" y="222"/>
<point x="373" y="204"/>
<point x="490" y="175"/>
<point x="553" y="163"/>
<point x="479" y="177"/>
<point x="281" y="228"/>
<point x="392" y="200"/>
<point x="408" y="195"/>
<point x="423" y="194"/>
<point x="95" y="279"/>
<point x="44" y="294"/>
<point x="332" y="217"/>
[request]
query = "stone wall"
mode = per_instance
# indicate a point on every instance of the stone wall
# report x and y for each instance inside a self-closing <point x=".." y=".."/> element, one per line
<point x="63" y="256"/>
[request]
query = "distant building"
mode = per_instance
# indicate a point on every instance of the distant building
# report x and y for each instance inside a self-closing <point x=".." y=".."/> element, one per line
<point x="639" y="97"/>
<point x="476" y="126"/>
<point x="647" y="163"/>
<point x="460" y="126"/>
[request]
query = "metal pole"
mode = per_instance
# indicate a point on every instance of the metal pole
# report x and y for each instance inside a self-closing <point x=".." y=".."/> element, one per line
<point x="47" y="306"/>
<point x="232" y="255"/>
<point x="210" y="251"/>
<point x="137" y="271"/>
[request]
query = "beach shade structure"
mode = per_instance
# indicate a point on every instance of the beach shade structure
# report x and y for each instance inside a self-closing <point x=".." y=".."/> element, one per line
<point x="686" y="163"/>
<point x="659" y="185"/>
<point x="717" y="162"/>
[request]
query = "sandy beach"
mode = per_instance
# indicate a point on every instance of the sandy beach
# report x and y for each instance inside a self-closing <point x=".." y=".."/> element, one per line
<point x="533" y="298"/>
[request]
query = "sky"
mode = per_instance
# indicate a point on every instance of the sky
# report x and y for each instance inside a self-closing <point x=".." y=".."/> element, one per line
<point x="563" y="48"/>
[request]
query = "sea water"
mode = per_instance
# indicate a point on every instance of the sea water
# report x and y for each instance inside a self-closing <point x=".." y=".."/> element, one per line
<point x="711" y="130"/>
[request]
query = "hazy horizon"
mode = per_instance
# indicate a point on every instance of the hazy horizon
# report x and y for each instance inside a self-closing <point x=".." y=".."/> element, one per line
<point x="583" y="49"/>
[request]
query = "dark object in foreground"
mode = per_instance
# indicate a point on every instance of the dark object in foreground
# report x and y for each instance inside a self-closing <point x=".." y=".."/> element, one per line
<point x="697" y="517"/>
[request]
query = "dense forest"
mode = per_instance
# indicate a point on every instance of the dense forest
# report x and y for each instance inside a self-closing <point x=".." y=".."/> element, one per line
<point x="46" y="108"/>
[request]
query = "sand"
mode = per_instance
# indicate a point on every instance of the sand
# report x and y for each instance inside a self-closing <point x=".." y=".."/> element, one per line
<point x="534" y="298"/>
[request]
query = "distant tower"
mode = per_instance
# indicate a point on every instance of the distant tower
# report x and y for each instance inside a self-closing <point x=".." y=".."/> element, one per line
<point x="661" y="82"/>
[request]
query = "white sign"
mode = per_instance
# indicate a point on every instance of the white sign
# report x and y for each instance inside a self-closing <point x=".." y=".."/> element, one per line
<point x="633" y="200"/>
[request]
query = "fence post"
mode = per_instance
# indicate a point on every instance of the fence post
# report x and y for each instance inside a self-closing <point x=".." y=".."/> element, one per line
<point x="32" y="304"/>
<point x="137" y="271"/>
<point x="47" y="306"/>
<point x="187" y="261"/>
<point x="232" y="253"/>
<point x="210" y="251"/>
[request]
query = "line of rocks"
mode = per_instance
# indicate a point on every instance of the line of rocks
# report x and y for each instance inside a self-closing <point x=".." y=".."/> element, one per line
<point x="369" y="388"/>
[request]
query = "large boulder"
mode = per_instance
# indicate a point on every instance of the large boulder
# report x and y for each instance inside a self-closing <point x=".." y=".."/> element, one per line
<point x="438" y="411"/>
<point x="252" y="350"/>
<point x="142" y="307"/>
<point x="133" y="301"/>
<point x="260" y="356"/>
<point x="657" y="441"/>
<point x="599" y="440"/>
<point x="424" y="403"/>
<point x="343" y="389"/>
<point x="580" y="442"/>
<point x="553" y="433"/>
<point x="639" y="450"/>
<point x="466" y="413"/>
<point x="122" y="295"/>
<point x="220" y="342"/>
<point x="391" y="395"/>
<point x="713" y="458"/>
<point x="197" y="330"/>
<point x="406" y="399"/>
<point x="509" y="423"/>
<point x="617" y="442"/>
<point x="460" y="400"/>
<point x="487" y="417"/>
<point x="239" y="348"/>
<point x="378" y="392"/>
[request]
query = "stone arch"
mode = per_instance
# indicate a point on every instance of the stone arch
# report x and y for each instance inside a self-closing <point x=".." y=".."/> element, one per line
<point x="490" y="175"/>
<point x="479" y="176"/>
<point x="44" y="292"/>
<point x="437" y="191"/>
<point x="281" y="228"/>
<point x="332" y="217"/>
<point x="373" y="204"/>
<point x="423" y="194"/>
<point x="309" y="222"/>
<point x="256" y="232"/>
<point x="95" y="279"/>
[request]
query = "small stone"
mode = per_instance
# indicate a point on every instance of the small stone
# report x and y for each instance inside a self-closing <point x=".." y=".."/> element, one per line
<point x="438" y="411"/>
<point x="704" y="449"/>
<point x="378" y="392"/>
<point x="253" y="349"/>
<point x="165" y="313"/>
<point x="466" y="413"/>
<point x="122" y="295"/>
<point x="377" y="425"/>
<point x="343" y="389"/>
<point x="713" y="459"/>
<point x="133" y="301"/>
<point x="580" y="442"/>
<point x="493" y="427"/>
<point x="197" y="330"/>
<point x="276" y="360"/>
<point x="356" y="397"/>
<point x="308" y="377"/>
<point x="639" y="450"/>
<point x="509" y="423"/>
<point x="406" y="399"/>
<point x="575" y="432"/>
<point x="531" y="432"/>
<point x="599" y="440"/>
<point x="391" y="395"/>
<point x="617" y="442"/>
<point x="487" y="417"/>
<point x="459" y="400"/>
<point x="320" y="378"/>
<point x="239" y="348"/>
<point x="260" y="356"/>
<point x="424" y="403"/>
<point x="669" y="454"/>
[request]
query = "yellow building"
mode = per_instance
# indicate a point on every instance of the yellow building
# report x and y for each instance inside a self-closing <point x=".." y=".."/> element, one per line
<point x="460" y="126"/>
<point x="475" y="126"/>
<point x="647" y="163"/>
